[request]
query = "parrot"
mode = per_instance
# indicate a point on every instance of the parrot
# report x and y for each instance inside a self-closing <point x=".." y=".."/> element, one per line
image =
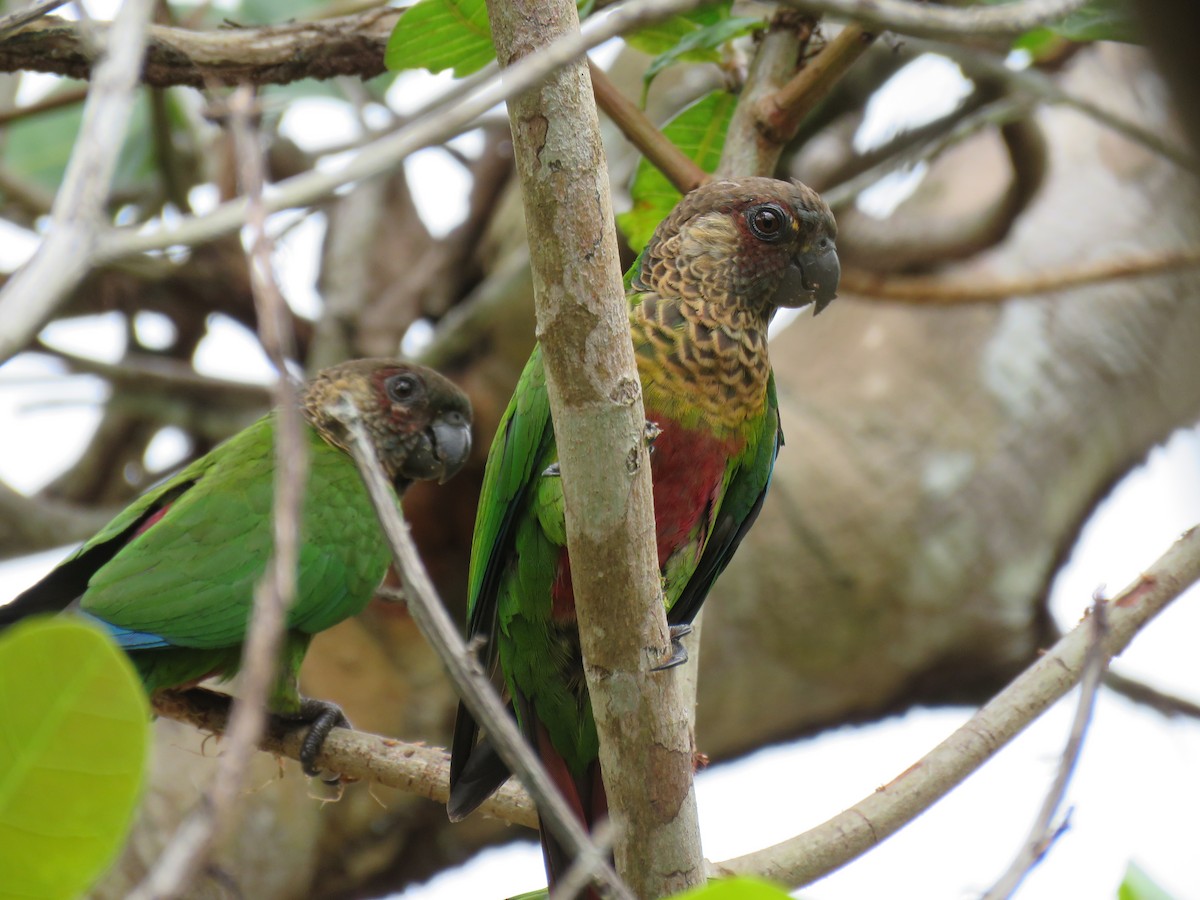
<point x="172" y="577"/>
<point x="701" y="295"/>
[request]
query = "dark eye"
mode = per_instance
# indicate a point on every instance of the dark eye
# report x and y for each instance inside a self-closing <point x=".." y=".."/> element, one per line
<point x="403" y="388"/>
<point x="768" y="222"/>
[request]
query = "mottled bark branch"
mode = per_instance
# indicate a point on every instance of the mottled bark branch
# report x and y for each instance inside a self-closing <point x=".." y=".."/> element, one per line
<point x="596" y="404"/>
<point x="273" y="54"/>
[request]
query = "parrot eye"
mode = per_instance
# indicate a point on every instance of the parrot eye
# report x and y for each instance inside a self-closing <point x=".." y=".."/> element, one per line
<point x="403" y="388"/>
<point x="767" y="222"/>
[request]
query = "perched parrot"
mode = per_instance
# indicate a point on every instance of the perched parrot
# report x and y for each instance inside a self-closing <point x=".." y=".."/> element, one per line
<point x="700" y="298"/>
<point x="172" y="577"/>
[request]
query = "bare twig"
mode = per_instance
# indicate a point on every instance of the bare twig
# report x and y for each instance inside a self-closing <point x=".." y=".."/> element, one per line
<point x="48" y="104"/>
<point x="781" y="113"/>
<point x="473" y="686"/>
<point x="1044" y="833"/>
<point x="35" y="290"/>
<point x="932" y="291"/>
<point x="356" y="755"/>
<point x="175" y="870"/>
<point x="997" y="113"/>
<point x="437" y="121"/>
<point x="676" y="165"/>
<point x="748" y="150"/>
<point x="829" y="846"/>
<point x="273" y="54"/>
<point x="907" y="17"/>
<point x="1161" y="702"/>
<point x="33" y="12"/>
<point x="976" y="63"/>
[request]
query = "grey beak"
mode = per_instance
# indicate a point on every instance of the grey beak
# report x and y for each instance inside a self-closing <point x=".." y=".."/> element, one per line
<point x="452" y="440"/>
<point x="822" y="271"/>
<point x="442" y="450"/>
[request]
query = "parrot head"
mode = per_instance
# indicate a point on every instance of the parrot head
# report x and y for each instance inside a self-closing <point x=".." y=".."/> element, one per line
<point x="753" y="242"/>
<point x="419" y="422"/>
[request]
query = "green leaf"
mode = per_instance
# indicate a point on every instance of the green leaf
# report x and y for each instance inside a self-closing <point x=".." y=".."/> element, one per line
<point x="74" y="738"/>
<point x="699" y="131"/>
<point x="442" y="34"/>
<point x="700" y="45"/>
<point x="1137" y="885"/>
<point x="37" y="147"/>
<point x="735" y="889"/>
<point x="662" y="36"/>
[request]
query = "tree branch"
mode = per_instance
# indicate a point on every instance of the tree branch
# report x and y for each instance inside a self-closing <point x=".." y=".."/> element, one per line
<point x="821" y="850"/>
<point x="65" y="255"/>
<point x="934" y="291"/>
<point x="599" y="421"/>
<point x="273" y="54"/>
<point x="357" y="755"/>
<point x="906" y="17"/>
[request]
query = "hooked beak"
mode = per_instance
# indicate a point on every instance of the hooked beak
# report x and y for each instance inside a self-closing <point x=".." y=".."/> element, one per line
<point x="812" y="278"/>
<point x="442" y="451"/>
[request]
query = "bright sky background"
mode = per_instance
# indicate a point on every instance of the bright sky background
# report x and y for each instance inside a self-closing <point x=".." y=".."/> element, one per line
<point x="1138" y="782"/>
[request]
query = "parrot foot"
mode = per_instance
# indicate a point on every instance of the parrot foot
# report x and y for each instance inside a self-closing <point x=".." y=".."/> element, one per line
<point x="322" y="717"/>
<point x="552" y="471"/>
<point x="679" y="654"/>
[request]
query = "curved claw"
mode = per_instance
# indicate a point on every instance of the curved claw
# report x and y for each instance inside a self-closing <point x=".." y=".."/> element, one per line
<point x="322" y="717"/>
<point x="679" y="654"/>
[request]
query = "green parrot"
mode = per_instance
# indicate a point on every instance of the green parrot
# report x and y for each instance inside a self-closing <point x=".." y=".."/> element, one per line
<point x="172" y="577"/>
<point x="701" y="296"/>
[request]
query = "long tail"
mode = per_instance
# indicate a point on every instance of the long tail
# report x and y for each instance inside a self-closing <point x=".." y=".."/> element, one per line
<point x="584" y="794"/>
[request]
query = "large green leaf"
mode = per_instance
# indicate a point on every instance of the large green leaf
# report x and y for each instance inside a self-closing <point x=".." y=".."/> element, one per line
<point x="699" y="131"/>
<point x="1137" y="885"/>
<point x="662" y="36"/>
<point x="735" y="889"/>
<point x="442" y="34"/>
<point x="38" y="147"/>
<point x="700" y="45"/>
<point x="74" y="738"/>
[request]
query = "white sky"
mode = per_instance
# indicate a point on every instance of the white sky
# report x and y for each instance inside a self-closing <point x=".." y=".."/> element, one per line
<point x="1139" y="778"/>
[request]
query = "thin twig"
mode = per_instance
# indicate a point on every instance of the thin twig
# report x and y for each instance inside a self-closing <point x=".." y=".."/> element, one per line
<point x="932" y="291"/>
<point x="998" y="112"/>
<point x="907" y="17"/>
<point x="976" y="63"/>
<point x="174" y="872"/>
<point x="1044" y="833"/>
<point x="33" y="12"/>
<point x="821" y="850"/>
<point x="781" y="113"/>
<point x="473" y="686"/>
<point x="1161" y="702"/>
<point x="356" y="755"/>
<point x="48" y="104"/>
<point x="676" y="165"/>
<point x="433" y="124"/>
<point x="34" y="291"/>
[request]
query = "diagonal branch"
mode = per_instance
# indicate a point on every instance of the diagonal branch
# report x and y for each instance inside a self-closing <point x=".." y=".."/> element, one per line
<point x="356" y="755"/>
<point x="908" y="17"/>
<point x="430" y="616"/>
<point x="821" y="850"/>
<point x="66" y="254"/>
